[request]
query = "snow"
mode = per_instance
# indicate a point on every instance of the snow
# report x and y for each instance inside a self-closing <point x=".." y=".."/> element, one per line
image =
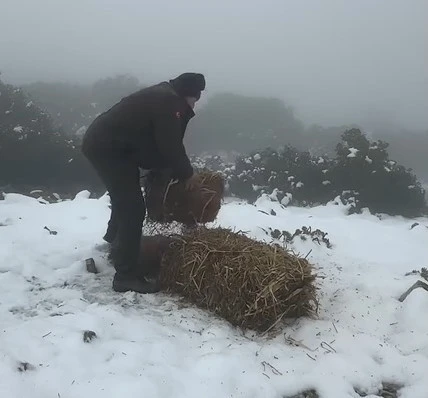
<point x="326" y="182"/>
<point x="18" y="129"/>
<point x="352" y="152"/>
<point x="81" y="131"/>
<point x="153" y="346"/>
<point x="257" y="156"/>
<point x="368" y="160"/>
<point x="299" y="184"/>
<point x="286" y="200"/>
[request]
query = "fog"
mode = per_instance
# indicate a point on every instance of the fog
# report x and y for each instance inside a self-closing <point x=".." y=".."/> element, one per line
<point x="334" y="61"/>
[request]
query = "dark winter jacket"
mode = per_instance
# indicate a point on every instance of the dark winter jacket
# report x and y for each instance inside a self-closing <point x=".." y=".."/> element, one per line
<point x="148" y="127"/>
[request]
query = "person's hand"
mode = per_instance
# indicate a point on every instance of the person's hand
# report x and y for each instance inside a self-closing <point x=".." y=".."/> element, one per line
<point x="191" y="183"/>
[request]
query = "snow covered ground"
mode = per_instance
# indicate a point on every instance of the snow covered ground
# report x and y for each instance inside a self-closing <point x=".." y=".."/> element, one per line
<point x="151" y="346"/>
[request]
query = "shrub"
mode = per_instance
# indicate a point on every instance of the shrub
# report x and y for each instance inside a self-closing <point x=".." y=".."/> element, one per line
<point x="362" y="175"/>
<point x="382" y="184"/>
<point x="32" y="152"/>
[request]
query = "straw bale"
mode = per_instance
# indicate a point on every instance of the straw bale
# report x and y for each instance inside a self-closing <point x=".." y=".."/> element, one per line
<point x="251" y="284"/>
<point x="167" y="201"/>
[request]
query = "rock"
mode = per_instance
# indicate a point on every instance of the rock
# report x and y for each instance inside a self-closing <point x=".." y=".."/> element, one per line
<point x="88" y="336"/>
<point x="90" y="266"/>
<point x="24" y="366"/>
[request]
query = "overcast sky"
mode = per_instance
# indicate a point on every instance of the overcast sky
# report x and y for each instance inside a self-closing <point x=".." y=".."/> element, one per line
<point x="334" y="61"/>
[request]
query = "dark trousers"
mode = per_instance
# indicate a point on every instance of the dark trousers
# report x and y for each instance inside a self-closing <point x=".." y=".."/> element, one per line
<point x="121" y="177"/>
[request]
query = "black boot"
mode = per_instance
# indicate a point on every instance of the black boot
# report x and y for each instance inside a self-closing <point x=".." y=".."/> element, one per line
<point x="125" y="283"/>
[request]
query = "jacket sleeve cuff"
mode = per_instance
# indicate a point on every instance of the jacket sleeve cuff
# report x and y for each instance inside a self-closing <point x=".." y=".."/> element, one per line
<point x="184" y="174"/>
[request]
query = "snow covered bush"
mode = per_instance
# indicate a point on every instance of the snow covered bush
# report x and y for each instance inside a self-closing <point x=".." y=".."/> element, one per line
<point x="286" y="175"/>
<point x="32" y="152"/>
<point x="361" y="175"/>
<point x="382" y="184"/>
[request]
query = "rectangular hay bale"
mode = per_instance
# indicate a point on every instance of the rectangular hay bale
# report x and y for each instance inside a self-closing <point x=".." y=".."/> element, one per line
<point x="250" y="284"/>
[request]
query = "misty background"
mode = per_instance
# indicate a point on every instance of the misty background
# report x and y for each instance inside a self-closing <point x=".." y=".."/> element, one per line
<point x="301" y="69"/>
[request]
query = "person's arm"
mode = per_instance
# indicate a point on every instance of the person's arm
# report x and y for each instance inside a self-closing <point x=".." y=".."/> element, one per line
<point x="168" y="136"/>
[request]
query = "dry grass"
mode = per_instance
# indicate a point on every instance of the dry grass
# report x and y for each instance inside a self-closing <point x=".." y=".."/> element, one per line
<point x="167" y="202"/>
<point x="251" y="284"/>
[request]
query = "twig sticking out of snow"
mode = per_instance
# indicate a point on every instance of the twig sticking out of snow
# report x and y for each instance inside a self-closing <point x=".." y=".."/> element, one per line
<point x="417" y="284"/>
<point x="50" y="232"/>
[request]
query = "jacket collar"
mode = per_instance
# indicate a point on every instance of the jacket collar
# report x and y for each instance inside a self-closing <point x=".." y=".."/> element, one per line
<point x="190" y="113"/>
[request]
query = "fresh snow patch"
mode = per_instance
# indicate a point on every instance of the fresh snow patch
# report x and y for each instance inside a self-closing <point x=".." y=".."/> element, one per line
<point x="299" y="184"/>
<point x="81" y="131"/>
<point x="152" y="345"/>
<point x="352" y="152"/>
<point x="274" y="195"/>
<point x="368" y="160"/>
<point x="18" y="129"/>
<point x="83" y="195"/>
<point x="326" y="182"/>
<point x="286" y="200"/>
<point x="257" y="156"/>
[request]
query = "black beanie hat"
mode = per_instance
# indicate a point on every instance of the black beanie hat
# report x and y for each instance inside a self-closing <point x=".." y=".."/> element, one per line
<point x="189" y="84"/>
